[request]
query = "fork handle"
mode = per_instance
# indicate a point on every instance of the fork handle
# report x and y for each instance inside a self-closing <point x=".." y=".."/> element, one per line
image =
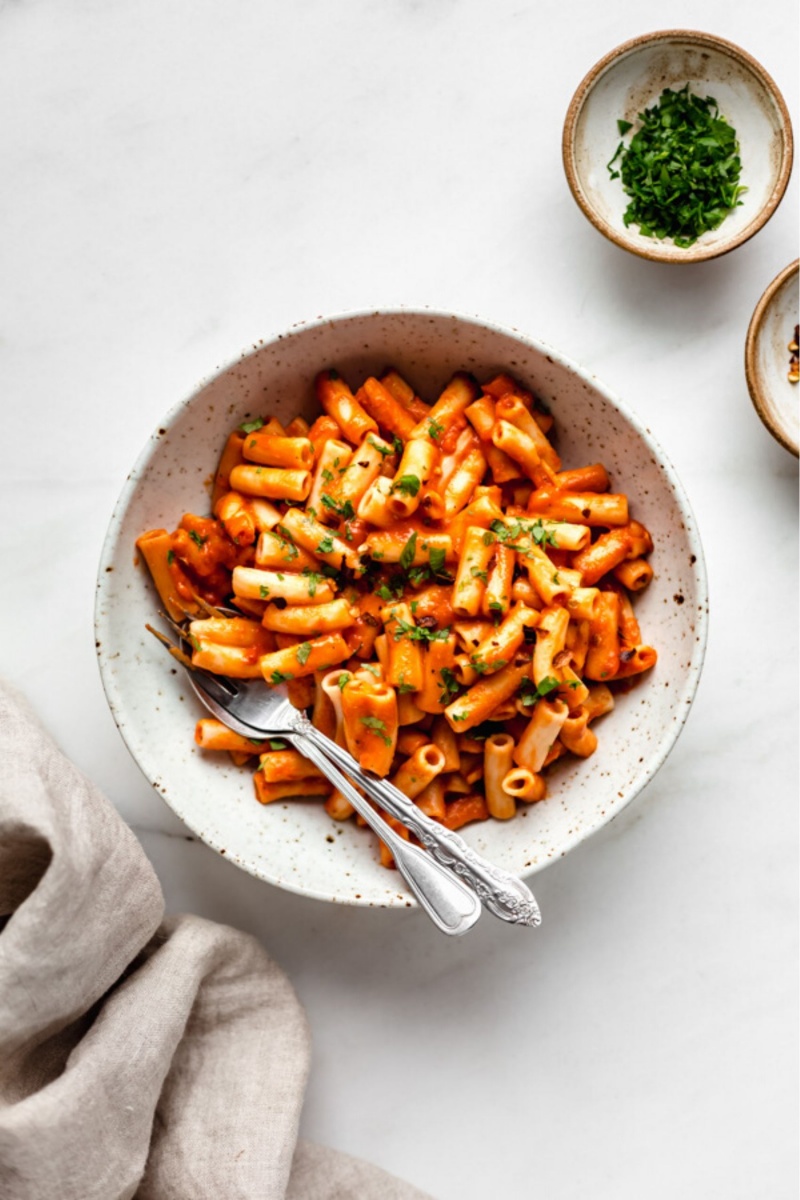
<point x="448" y="902"/>
<point x="503" y="893"/>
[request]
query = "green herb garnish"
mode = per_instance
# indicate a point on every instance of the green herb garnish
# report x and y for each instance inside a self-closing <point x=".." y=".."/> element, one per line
<point x="196" y="538"/>
<point x="418" y="633"/>
<point x="384" y="450"/>
<point x="408" y="552"/>
<point x="279" y="677"/>
<point x="303" y="651"/>
<point x="325" y="546"/>
<point x="450" y="685"/>
<point x="435" y="430"/>
<point x="313" y="579"/>
<point x="681" y="168"/>
<point x="436" y="558"/>
<point x="409" y="484"/>
<point x="377" y="726"/>
<point x="251" y="426"/>
<point x="530" y="694"/>
<point x="346" y="510"/>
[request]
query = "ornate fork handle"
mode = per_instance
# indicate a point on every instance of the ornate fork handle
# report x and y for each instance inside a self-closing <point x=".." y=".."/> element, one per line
<point x="501" y="892"/>
<point x="451" y="906"/>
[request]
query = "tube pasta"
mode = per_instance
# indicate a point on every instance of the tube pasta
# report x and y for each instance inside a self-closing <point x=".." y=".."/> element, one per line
<point x="271" y="451"/>
<point x="416" y="468"/>
<point x="303" y="659"/>
<point x="339" y="402"/>
<point x="434" y="589"/>
<point x="361" y="471"/>
<point x="419" y="770"/>
<point x="332" y="458"/>
<point x="543" y="728"/>
<point x="370" y="724"/>
<point x="522" y="784"/>
<point x="497" y="762"/>
<point x="310" y="619"/>
<point x="472" y="576"/>
<point x="273" y="483"/>
<point x="252" y="583"/>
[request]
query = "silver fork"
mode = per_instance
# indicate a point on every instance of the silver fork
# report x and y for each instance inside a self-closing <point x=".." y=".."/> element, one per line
<point x="447" y="900"/>
<point x="255" y="710"/>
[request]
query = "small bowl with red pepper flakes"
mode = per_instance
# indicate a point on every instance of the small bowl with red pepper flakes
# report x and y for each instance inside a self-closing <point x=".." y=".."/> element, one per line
<point x="678" y="146"/>
<point x="771" y="359"/>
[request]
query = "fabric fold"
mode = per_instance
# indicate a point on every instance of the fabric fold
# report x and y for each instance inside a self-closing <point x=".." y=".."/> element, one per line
<point x="139" y="1057"/>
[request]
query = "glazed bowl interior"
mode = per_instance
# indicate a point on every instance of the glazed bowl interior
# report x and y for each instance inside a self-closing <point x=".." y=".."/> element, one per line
<point x="767" y="359"/>
<point x="632" y="78"/>
<point x="294" y="844"/>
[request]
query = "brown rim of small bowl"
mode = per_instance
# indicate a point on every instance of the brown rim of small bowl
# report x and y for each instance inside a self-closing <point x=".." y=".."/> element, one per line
<point x="696" y="253"/>
<point x="750" y="358"/>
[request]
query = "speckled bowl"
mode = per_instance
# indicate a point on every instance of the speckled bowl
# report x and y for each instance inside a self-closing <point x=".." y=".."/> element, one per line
<point x="632" y="78"/>
<point x="294" y="844"/>
<point x="766" y="358"/>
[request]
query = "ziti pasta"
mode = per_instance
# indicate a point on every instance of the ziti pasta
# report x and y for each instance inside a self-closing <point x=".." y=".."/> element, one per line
<point x="437" y="591"/>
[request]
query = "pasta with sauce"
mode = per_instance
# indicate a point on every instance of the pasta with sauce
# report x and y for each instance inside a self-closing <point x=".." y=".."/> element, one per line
<point x="436" y="591"/>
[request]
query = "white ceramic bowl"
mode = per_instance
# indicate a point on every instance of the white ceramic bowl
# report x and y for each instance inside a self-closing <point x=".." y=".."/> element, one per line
<point x="294" y="844"/>
<point x="632" y="78"/>
<point x="766" y="358"/>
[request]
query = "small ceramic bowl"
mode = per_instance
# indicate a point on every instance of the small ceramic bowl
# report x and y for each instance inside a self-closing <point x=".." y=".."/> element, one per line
<point x="294" y="844"/>
<point x="767" y="358"/>
<point x="632" y="78"/>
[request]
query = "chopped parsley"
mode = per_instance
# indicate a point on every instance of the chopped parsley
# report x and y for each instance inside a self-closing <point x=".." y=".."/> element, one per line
<point x="409" y="550"/>
<point x="263" y="591"/>
<point x="384" y="450"/>
<point x="325" y="546"/>
<point x="279" y="677"/>
<point x="436" y="558"/>
<point x="342" y="681"/>
<point x="277" y="744"/>
<point x="327" y="475"/>
<point x="303" y="652"/>
<point x="379" y="727"/>
<point x="450" y="685"/>
<point x="530" y="694"/>
<point x="251" y="426"/>
<point x="417" y="633"/>
<point x="313" y="579"/>
<point x="477" y="573"/>
<point x="483" y="668"/>
<point x="681" y="168"/>
<point x="392" y="590"/>
<point x="435" y="430"/>
<point x="345" y="511"/>
<point x="170" y="557"/>
<point x="409" y="484"/>
<point x="197" y="538"/>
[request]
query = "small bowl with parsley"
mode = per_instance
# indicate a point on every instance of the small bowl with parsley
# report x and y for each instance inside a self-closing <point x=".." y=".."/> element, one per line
<point x="678" y="146"/>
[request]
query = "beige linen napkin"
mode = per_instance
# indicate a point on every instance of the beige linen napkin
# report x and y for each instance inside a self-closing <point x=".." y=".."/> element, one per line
<point x="161" y="1059"/>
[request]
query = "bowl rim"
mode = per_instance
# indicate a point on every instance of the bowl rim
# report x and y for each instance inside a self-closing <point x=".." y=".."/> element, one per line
<point x="687" y="690"/>
<point x="696" y="253"/>
<point x="765" y="411"/>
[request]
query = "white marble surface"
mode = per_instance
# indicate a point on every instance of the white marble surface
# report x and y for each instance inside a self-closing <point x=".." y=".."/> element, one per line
<point x="181" y="178"/>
